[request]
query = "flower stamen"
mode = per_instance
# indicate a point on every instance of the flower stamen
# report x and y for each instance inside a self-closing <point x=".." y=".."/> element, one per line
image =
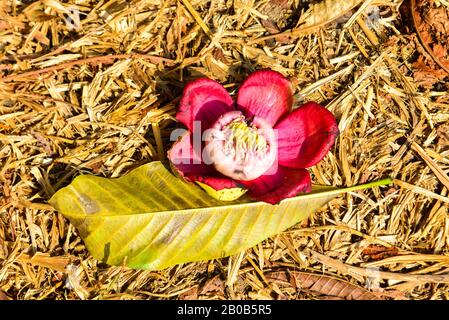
<point x="240" y="150"/>
<point x="243" y="140"/>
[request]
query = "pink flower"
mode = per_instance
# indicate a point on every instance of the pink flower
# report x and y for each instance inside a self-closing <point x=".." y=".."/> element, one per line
<point x="256" y="143"/>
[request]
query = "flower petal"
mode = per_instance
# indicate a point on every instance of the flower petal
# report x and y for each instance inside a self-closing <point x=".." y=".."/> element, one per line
<point x="219" y="187"/>
<point x="203" y="100"/>
<point x="272" y="179"/>
<point x="306" y="135"/>
<point x="217" y="181"/>
<point x="293" y="182"/>
<point x="267" y="94"/>
<point x="186" y="160"/>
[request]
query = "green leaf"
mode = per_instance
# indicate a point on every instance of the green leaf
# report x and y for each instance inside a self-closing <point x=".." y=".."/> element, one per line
<point x="149" y="219"/>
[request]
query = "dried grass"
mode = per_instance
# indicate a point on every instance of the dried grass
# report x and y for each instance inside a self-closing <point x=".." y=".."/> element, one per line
<point x="98" y="96"/>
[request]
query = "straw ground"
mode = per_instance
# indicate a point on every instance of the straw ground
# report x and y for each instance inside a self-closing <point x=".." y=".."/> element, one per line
<point x="91" y="87"/>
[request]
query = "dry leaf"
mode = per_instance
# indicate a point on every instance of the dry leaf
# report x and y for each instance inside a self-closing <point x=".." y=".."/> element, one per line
<point x="443" y="135"/>
<point x="278" y="13"/>
<point x="325" y="285"/>
<point x="58" y="263"/>
<point x="176" y="31"/>
<point x="324" y="12"/>
<point x="432" y="26"/>
<point x="219" y="55"/>
<point x="377" y="252"/>
<point x="426" y="73"/>
<point x="3" y="295"/>
<point x="74" y="281"/>
<point x="270" y="26"/>
<point x="191" y="294"/>
<point x="214" y="285"/>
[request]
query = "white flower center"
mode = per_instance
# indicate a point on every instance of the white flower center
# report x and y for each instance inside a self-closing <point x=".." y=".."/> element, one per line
<point x="238" y="150"/>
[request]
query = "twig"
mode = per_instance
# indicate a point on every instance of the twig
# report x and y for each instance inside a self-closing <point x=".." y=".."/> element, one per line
<point x="369" y="34"/>
<point x="439" y="173"/>
<point x="316" y="85"/>
<point x="420" y="190"/>
<point x="98" y="59"/>
<point x="369" y="272"/>
<point x="197" y="18"/>
<point x="42" y="97"/>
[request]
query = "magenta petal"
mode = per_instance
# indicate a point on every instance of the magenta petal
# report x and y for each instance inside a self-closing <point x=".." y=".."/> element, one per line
<point x="217" y="181"/>
<point x="306" y="135"/>
<point x="293" y="182"/>
<point x="272" y="179"/>
<point x="266" y="94"/>
<point x="203" y="100"/>
<point x="187" y="161"/>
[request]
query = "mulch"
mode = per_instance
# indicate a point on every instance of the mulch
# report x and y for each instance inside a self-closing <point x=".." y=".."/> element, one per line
<point x="92" y="87"/>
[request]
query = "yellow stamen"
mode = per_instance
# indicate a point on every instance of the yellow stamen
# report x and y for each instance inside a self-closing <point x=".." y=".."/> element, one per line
<point x="244" y="139"/>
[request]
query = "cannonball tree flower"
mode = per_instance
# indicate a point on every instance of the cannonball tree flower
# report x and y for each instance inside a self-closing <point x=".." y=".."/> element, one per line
<point x="256" y="143"/>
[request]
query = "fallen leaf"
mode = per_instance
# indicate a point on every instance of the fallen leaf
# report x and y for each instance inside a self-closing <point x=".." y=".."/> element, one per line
<point x="219" y="55"/>
<point x="277" y="12"/>
<point x="331" y="288"/>
<point x="426" y="74"/>
<point x="3" y="295"/>
<point x="74" y="279"/>
<point x="443" y="135"/>
<point x="58" y="263"/>
<point x="214" y="285"/>
<point x="176" y="31"/>
<point x="432" y="26"/>
<point x="191" y="294"/>
<point x="270" y="26"/>
<point x="4" y="25"/>
<point x="378" y="252"/>
<point x="324" y="12"/>
<point x="149" y="219"/>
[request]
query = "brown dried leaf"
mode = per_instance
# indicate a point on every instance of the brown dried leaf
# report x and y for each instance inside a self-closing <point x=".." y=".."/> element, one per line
<point x="191" y="294"/>
<point x="270" y="26"/>
<point x="218" y="55"/>
<point x="176" y="31"/>
<point x="283" y="4"/>
<point x="443" y="135"/>
<point x="439" y="18"/>
<point x="4" y="25"/>
<point x="3" y="295"/>
<point x="278" y="13"/>
<point x="377" y="252"/>
<point x="439" y="51"/>
<point x="58" y="263"/>
<point x="432" y="26"/>
<point x="325" y="285"/>
<point x="324" y="12"/>
<point x="426" y="74"/>
<point x="214" y="285"/>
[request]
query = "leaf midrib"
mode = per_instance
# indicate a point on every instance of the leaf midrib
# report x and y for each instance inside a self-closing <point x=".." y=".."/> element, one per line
<point x="224" y="207"/>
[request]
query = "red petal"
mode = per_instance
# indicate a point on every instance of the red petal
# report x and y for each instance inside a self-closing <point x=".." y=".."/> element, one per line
<point x="305" y="136"/>
<point x="186" y="160"/>
<point x="266" y="94"/>
<point x="293" y="182"/>
<point x="272" y="179"/>
<point x="203" y="100"/>
<point x="217" y="182"/>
